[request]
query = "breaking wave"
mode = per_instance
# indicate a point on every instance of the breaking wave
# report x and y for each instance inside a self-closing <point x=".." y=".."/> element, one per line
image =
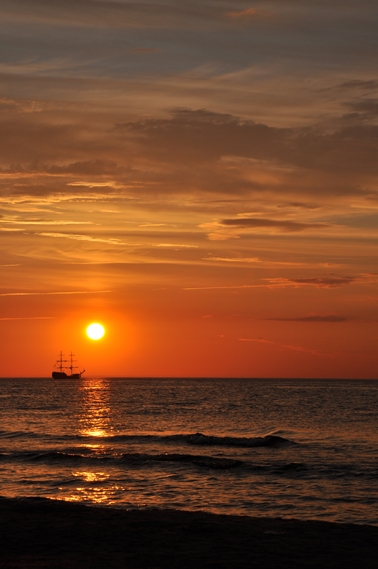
<point x="268" y="441"/>
<point x="191" y="439"/>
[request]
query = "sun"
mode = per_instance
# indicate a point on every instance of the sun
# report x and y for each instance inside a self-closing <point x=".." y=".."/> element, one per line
<point x="95" y="331"/>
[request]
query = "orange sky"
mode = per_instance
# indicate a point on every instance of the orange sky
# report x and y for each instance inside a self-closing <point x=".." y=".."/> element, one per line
<point x="200" y="177"/>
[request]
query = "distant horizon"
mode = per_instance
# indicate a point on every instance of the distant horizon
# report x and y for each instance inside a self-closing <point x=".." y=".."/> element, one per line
<point x="179" y="378"/>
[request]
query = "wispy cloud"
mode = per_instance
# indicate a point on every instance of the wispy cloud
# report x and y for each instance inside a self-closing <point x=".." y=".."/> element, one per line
<point x="77" y="237"/>
<point x="175" y="245"/>
<point x="294" y="348"/>
<point x="318" y="282"/>
<point x="329" y="281"/>
<point x="285" y="225"/>
<point x="145" y="50"/>
<point x="243" y="14"/>
<point x="333" y="318"/>
<point x="30" y="318"/>
<point x="91" y="185"/>
<point x="152" y="224"/>
<point x="226" y="287"/>
<point x="105" y="14"/>
<point x="234" y="259"/>
<point x="54" y="293"/>
<point x="364" y="84"/>
<point x="267" y="263"/>
<point x="282" y="282"/>
<point x="17" y="220"/>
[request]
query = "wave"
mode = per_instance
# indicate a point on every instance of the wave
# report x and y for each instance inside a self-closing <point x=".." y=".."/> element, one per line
<point x="198" y="460"/>
<point x="205" y="440"/>
<point x="267" y="441"/>
<point x="277" y="468"/>
<point x="135" y="459"/>
<point x="131" y="459"/>
<point x="17" y="434"/>
<point x="191" y="439"/>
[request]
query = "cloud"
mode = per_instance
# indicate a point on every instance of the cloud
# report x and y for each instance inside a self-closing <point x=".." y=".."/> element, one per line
<point x="145" y="50"/>
<point x="30" y="318"/>
<point x="292" y="347"/>
<point x="175" y="245"/>
<point x="302" y="205"/>
<point x="313" y="318"/>
<point x="284" y="282"/>
<point x="105" y="187"/>
<point x="364" y="84"/>
<point x="318" y="282"/>
<point x="269" y="263"/>
<point x="225" y="287"/>
<point x="9" y="229"/>
<point x="203" y="136"/>
<point x="154" y="225"/>
<point x="110" y="13"/>
<point x="234" y="259"/>
<point x="96" y="167"/>
<point x="191" y="153"/>
<point x="54" y="293"/>
<point x="368" y="107"/>
<point x="243" y="14"/>
<point x="77" y="237"/>
<point x="18" y="220"/>
<point x="251" y="223"/>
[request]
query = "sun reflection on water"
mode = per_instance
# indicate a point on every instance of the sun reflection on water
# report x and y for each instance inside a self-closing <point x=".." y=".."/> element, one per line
<point x="95" y="418"/>
<point x="94" y="424"/>
<point x="91" y="476"/>
<point x="90" y="488"/>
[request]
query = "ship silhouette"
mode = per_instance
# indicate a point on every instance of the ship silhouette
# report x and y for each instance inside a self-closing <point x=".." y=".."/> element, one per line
<point x="62" y="364"/>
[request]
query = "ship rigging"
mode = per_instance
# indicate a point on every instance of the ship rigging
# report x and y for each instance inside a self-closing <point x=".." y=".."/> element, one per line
<point x="62" y="364"/>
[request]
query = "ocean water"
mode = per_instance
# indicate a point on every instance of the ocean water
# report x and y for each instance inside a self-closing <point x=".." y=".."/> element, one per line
<point x="305" y="449"/>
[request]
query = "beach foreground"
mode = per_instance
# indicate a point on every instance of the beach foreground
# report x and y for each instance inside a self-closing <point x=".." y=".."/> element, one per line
<point x="40" y="533"/>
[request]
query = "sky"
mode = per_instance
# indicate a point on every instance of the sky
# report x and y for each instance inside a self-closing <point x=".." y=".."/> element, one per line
<point x="198" y="176"/>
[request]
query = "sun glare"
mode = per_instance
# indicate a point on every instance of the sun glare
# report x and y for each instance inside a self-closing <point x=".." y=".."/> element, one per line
<point x="95" y="331"/>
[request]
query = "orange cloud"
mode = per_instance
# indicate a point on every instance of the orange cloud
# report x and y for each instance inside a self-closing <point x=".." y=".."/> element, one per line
<point x="281" y="282"/>
<point x="294" y="348"/>
<point x="318" y="282"/>
<point x="30" y="318"/>
<point x="243" y="14"/>
<point x="251" y="223"/>
<point x="314" y="318"/>
<point x="54" y="293"/>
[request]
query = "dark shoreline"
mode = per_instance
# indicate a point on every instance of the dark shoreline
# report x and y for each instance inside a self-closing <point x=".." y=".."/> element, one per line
<point x="41" y="533"/>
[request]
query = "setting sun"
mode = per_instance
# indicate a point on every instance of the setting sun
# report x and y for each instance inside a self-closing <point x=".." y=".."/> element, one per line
<point x="95" y="331"/>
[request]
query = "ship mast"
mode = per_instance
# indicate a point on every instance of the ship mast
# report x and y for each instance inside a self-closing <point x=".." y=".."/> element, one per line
<point x="72" y="361"/>
<point x="60" y="361"/>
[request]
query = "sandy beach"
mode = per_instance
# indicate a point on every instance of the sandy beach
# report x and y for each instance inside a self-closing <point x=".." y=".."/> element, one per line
<point x="39" y="533"/>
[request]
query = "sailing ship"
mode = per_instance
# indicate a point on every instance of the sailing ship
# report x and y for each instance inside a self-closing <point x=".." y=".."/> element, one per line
<point x="60" y="366"/>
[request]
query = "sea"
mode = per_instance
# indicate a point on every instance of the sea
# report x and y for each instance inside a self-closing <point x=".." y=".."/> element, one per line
<point x="287" y="448"/>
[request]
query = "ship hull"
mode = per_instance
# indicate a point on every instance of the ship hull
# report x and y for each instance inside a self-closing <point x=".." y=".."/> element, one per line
<point x="59" y="375"/>
<point x="63" y="375"/>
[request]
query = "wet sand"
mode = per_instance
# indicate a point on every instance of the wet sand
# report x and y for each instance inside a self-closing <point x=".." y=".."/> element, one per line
<point x="59" y="535"/>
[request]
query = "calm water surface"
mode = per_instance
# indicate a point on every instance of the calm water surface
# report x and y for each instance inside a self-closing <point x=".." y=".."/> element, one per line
<point x="288" y="448"/>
